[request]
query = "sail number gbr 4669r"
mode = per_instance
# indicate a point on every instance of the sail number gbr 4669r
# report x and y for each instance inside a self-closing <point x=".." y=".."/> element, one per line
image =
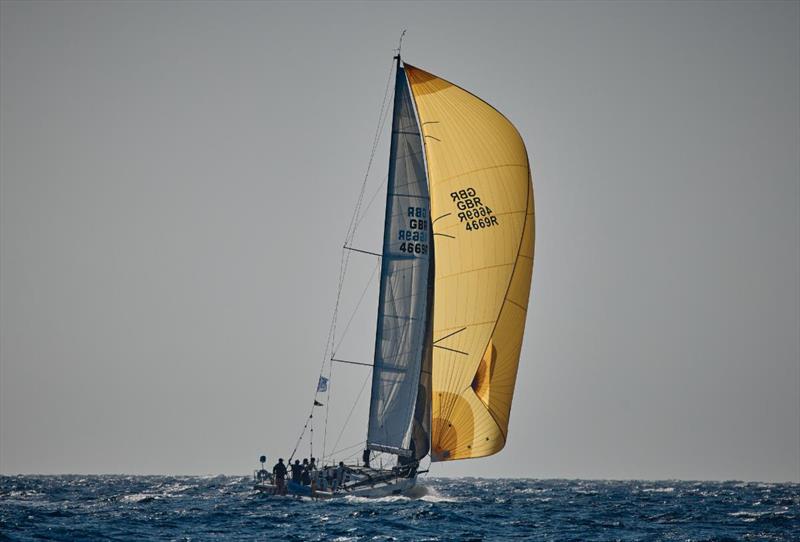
<point x="472" y="211"/>
<point x="415" y="238"/>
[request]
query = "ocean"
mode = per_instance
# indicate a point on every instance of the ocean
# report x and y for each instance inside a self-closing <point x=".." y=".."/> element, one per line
<point x="226" y="508"/>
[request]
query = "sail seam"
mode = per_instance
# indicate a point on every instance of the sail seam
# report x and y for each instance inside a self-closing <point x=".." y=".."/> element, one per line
<point x="475" y="270"/>
<point x="488" y="168"/>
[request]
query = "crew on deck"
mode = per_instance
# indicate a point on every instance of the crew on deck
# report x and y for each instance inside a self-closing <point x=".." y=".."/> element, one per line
<point x="408" y="464"/>
<point x="365" y="457"/>
<point x="339" y="479"/>
<point x="279" y="472"/>
<point x="297" y="472"/>
<point x="305" y="475"/>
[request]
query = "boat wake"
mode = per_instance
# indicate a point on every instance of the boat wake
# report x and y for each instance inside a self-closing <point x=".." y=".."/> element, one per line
<point x="419" y="492"/>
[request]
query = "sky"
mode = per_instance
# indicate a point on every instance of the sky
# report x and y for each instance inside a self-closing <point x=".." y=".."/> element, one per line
<point x="177" y="180"/>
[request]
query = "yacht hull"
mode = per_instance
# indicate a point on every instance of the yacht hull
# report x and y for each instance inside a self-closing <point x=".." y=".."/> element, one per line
<point x="388" y="488"/>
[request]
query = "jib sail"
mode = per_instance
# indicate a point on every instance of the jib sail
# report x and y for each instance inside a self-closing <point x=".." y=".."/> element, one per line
<point x="403" y="301"/>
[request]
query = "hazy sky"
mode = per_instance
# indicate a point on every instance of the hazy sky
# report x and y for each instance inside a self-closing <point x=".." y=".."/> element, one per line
<point x="177" y="180"/>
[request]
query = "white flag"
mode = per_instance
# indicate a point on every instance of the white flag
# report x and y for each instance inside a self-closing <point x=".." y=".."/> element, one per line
<point x="323" y="384"/>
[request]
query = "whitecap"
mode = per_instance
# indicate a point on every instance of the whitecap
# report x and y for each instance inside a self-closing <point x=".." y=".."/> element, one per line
<point x="438" y="498"/>
<point x="429" y="494"/>
<point x="139" y="497"/>
<point x="752" y="516"/>
<point x="175" y="488"/>
<point x="360" y="500"/>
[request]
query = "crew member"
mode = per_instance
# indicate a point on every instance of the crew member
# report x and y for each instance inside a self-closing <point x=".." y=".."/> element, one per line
<point x="339" y="479"/>
<point x="297" y="472"/>
<point x="365" y="457"/>
<point x="279" y="471"/>
<point x="313" y="472"/>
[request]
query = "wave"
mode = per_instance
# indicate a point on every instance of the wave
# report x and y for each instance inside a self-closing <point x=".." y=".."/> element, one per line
<point x="126" y="508"/>
<point x="139" y="497"/>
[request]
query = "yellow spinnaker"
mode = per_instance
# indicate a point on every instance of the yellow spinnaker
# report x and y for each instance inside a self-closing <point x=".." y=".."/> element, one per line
<point x="483" y="222"/>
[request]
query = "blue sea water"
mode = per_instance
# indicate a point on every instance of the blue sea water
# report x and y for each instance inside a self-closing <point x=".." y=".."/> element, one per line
<point x="226" y="508"/>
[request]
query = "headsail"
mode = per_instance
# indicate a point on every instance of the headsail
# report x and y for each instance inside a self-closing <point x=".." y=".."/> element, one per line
<point x="403" y="301"/>
<point x="482" y="219"/>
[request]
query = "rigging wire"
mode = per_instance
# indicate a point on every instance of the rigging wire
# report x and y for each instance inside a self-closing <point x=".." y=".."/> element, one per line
<point x="350" y="321"/>
<point x="343" y="265"/>
<point x="372" y="200"/>
<point x="358" y="444"/>
<point x="354" y="221"/>
<point x="352" y="409"/>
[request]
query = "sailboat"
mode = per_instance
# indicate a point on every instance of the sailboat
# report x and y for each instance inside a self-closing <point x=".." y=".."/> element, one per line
<point x="455" y="279"/>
